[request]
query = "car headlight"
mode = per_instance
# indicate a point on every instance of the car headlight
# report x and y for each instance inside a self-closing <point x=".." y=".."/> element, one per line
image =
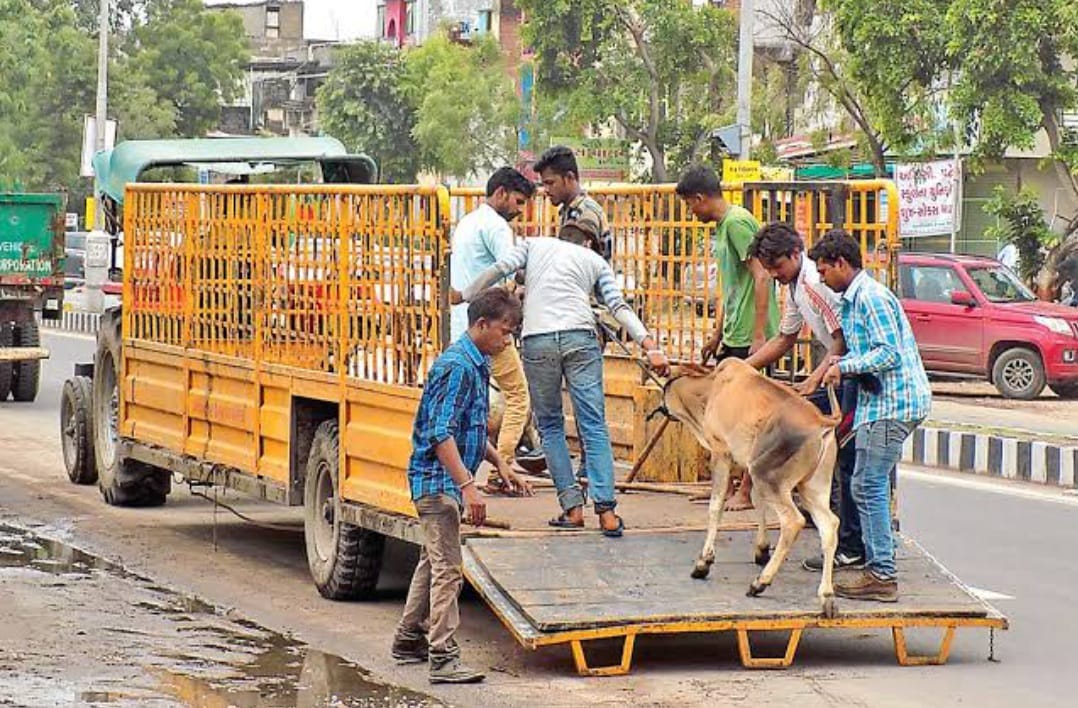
<point x="1053" y="324"/>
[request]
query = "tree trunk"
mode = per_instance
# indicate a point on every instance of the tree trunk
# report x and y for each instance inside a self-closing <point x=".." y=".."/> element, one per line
<point x="658" y="162"/>
<point x="1048" y="279"/>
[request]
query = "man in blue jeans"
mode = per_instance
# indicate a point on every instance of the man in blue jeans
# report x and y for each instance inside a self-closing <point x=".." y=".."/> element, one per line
<point x="560" y="343"/>
<point x="781" y="251"/>
<point x="879" y="341"/>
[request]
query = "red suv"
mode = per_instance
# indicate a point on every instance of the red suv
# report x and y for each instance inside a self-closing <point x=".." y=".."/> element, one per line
<point x="972" y="315"/>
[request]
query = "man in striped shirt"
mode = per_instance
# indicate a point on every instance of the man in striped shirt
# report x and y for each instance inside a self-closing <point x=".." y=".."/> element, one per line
<point x="780" y="250"/>
<point x="560" y="343"/>
<point x="880" y="342"/>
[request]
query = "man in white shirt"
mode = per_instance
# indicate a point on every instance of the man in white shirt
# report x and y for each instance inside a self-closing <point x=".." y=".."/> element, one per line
<point x="561" y="345"/>
<point x="781" y="251"/>
<point x="482" y="238"/>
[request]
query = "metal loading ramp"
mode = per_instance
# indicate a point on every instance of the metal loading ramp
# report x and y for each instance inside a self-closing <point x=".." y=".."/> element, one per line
<point x="574" y="588"/>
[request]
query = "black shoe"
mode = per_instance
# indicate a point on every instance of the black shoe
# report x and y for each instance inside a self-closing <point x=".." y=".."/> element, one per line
<point x="842" y="560"/>
<point x="533" y="461"/>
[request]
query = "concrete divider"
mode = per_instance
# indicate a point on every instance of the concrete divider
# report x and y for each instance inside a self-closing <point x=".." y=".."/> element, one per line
<point x="993" y="455"/>
<point x="74" y="321"/>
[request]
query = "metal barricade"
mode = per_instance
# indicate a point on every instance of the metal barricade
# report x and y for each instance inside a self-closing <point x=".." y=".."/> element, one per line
<point x="346" y="280"/>
<point x="663" y="257"/>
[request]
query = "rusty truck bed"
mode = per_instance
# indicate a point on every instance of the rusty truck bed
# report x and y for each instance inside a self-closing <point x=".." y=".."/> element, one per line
<point x="553" y="587"/>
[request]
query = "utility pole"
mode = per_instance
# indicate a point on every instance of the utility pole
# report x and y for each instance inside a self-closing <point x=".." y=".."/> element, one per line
<point x="101" y="117"/>
<point x="744" y="76"/>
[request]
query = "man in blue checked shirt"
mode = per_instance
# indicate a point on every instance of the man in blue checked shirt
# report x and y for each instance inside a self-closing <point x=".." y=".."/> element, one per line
<point x="449" y="442"/>
<point x="879" y="341"/>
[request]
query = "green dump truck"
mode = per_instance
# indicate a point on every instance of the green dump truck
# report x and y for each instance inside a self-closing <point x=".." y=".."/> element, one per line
<point x="31" y="279"/>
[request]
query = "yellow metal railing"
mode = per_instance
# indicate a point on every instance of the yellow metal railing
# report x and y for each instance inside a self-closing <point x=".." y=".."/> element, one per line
<point x="337" y="279"/>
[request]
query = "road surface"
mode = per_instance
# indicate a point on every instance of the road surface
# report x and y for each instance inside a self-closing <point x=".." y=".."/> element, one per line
<point x="1012" y="542"/>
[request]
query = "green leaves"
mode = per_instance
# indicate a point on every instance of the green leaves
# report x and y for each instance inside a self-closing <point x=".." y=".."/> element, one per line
<point x="660" y="69"/>
<point x="363" y="103"/>
<point x="442" y="107"/>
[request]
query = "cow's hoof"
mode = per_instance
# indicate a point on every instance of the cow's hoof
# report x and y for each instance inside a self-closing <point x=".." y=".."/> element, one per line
<point x="827" y="606"/>
<point x="762" y="556"/>
<point x="755" y="589"/>
<point x="700" y="570"/>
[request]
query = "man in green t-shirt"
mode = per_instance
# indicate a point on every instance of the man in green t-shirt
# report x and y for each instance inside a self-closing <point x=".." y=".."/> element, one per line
<point x="750" y="312"/>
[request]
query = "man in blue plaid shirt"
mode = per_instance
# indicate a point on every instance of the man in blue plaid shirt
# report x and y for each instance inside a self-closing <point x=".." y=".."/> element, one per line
<point x="449" y="442"/>
<point x="879" y="341"/>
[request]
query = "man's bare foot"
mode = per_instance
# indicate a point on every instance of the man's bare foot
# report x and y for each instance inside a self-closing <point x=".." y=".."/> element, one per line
<point x="608" y="521"/>
<point x="739" y="502"/>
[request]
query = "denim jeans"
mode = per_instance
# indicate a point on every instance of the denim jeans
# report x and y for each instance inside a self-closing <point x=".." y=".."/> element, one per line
<point x="879" y="447"/>
<point x="849" y="521"/>
<point x="572" y="356"/>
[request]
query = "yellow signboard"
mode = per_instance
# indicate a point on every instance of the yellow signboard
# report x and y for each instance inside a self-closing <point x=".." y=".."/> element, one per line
<point x="90" y="215"/>
<point x="738" y="171"/>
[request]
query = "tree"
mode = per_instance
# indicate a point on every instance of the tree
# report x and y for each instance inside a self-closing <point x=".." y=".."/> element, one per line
<point x="364" y="103"/>
<point x="465" y="107"/>
<point x="48" y="68"/>
<point x="191" y="57"/>
<point x="659" y="69"/>
<point x="824" y="59"/>
<point x="1021" y="222"/>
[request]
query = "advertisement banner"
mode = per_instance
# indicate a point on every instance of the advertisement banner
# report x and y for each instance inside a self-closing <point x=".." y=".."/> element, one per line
<point x="927" y="193"/>
<point x="599" y="159"/>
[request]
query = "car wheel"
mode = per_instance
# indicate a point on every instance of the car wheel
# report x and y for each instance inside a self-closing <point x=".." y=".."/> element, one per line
<point x="1019" y="373"/>
<point x="1065" y="390"/>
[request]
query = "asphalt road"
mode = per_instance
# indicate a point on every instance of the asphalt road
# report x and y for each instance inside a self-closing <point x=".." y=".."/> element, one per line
<point x="1012" y="541"/>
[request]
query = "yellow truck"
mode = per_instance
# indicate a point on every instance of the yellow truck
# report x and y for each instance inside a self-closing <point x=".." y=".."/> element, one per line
<point x="274" y="339"/>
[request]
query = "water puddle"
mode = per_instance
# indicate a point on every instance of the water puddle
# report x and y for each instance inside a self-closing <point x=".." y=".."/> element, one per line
<point x="154" y="646"/>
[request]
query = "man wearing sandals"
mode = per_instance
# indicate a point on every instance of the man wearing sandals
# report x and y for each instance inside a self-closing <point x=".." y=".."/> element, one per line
<point x="561" y="344"/>
<point x="480" y="239"/>
<point x="449" y="442"/>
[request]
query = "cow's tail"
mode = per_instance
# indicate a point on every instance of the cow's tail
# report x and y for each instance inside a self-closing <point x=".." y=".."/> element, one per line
<point x="836" y="412"/>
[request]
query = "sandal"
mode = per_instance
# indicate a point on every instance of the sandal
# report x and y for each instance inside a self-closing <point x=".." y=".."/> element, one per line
<point x="562" y="522"/>
<point x="614" y="532"/>
<point x="499" y="488"/>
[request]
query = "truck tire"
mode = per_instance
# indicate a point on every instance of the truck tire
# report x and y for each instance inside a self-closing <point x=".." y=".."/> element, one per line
<point x="1019" y="373"/>
<point x="345" y="560"/>
<point x="76" y="429"/>
<point x="25" y="375"/>
<point x="1067" y="390"/>
<point x="122" y="482"/>
<point x="7" y="339"/>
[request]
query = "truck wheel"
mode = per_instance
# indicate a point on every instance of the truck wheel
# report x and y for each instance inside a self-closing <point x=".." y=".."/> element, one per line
<point x="7" y="339"/>
<point x="26" y="374"/>
<point x="123" y="482"/>
<point x="76" y="429"/>
<point x="345" y="560"/>
<point x="1065" y="390"/>
<point x="1019" y="373"/>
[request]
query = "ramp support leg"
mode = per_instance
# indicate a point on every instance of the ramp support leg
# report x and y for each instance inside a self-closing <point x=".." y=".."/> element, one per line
<point x="780" y="662"/>
<point x="581" y="661"/>
<point x="904" y="657"/>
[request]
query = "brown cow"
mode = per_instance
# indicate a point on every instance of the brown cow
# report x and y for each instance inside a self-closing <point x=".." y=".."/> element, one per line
<point x="745" y="419"/>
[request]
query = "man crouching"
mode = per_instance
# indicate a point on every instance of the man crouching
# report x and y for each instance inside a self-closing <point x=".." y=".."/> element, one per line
<point x="449" y="442"/>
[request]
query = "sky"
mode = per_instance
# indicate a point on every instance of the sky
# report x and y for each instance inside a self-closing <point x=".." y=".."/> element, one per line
<point x="331" y="19"/>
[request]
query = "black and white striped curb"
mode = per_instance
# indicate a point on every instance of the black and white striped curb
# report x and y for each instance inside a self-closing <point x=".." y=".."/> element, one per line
<point x="74" y="321"/>
<point x="1052" y="464"/>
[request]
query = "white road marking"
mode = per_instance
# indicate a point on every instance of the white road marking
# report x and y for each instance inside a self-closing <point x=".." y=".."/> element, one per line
<point x="1023" y="490"/>
<point x="990" y="595"/>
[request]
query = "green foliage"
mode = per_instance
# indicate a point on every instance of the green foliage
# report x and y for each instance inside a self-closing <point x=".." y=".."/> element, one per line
<point x="364" y="103"/>
<point x="465" y="106"/>
<point x="169" y="59"/>
<point x="1021" y="222"/>
<point x="192" y="58"/>
<point x="660" y="69"/>
<point x="896" y="55"/>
